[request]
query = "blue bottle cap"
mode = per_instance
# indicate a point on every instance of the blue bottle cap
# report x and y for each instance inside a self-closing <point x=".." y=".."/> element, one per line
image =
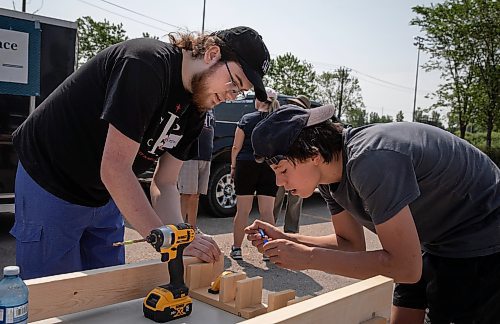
<point x="11" y="271"/>
<point x="262" y="234"/>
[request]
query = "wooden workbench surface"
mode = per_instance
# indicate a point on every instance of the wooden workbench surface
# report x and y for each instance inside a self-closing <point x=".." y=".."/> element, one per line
<point x="130" y="312"/>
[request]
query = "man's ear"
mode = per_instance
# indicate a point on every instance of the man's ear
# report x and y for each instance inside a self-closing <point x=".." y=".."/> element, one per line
<point x="212" y="54"/>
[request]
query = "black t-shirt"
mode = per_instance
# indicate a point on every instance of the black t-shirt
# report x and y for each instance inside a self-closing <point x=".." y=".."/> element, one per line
<point x="247" y="123"/>
<point x="137" y="87"/>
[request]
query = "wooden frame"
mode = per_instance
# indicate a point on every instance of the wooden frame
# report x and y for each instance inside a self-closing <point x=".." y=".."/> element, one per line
<point x="367" y="300"/>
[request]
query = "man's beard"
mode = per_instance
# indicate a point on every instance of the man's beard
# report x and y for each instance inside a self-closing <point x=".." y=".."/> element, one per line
<point x="199" y="87"/>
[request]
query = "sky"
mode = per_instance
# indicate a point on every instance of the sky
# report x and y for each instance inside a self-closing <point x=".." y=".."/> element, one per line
<point x="372" y="38"/>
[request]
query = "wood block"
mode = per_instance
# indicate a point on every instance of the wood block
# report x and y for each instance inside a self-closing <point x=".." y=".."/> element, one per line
<point x="228" y="286"/>
<point x="218" y="267"/>
<point x="202" y="274"/>
<point x="233" y="287"/>
<point x="199" y="275"/>
<point x="298" y="300"/>
<point x="248" y="292"/>
<point x="279" y="299"/>
<point x="203" y="295"/>
<point x="252" y="311"/>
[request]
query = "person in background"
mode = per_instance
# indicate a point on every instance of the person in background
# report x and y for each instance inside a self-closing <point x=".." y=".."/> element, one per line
<point x="293" y="207"/>
<point x="250" y="177"/>
<point x="431" y="197"/>
<point x="133" y="104"/>
<point x="194" y="174"/>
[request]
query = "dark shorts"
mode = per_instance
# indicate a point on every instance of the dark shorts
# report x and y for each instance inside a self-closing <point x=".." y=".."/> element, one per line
<point x="455" y="290"/>
<point x="252" y="178"/>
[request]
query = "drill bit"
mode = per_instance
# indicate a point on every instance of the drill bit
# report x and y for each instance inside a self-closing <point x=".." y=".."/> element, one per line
<point x="129" y="242"/>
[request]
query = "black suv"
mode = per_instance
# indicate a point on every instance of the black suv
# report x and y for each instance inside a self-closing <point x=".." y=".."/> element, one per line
<point x="220" y="200"/>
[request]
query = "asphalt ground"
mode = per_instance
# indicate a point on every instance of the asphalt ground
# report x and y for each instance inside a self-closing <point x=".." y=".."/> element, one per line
<point x="315" y="220"/>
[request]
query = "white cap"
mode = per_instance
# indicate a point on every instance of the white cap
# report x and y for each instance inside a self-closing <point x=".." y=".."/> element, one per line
<point x="11" y="271"/>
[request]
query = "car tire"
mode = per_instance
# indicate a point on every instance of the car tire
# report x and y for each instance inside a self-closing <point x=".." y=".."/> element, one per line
<point x="220" y="200"/>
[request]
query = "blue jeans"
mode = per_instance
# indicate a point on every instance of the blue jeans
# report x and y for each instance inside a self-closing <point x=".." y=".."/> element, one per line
<point x="54" y="236"/>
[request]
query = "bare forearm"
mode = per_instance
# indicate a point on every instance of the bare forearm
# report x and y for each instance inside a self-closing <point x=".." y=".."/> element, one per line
<point x="331" y="241"/>
<point x="165" y="199"/>
<point x="363" y="265"/>
<point x="130" y="199"/>
<point x="234" y="154"/>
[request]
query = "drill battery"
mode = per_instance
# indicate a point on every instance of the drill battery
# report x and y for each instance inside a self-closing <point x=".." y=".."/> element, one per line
<point x="166" y="303"/>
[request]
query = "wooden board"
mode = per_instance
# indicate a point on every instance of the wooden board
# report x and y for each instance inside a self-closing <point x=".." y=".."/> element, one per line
<point x="355" y="303"/>
<point x="74" y="292"/>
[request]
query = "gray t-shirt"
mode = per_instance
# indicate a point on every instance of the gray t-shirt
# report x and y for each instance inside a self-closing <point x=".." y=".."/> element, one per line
<point x="452" y="188"/>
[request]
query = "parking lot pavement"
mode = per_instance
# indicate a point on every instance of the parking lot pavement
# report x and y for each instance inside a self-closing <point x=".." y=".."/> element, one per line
<point x="315" y="220"/>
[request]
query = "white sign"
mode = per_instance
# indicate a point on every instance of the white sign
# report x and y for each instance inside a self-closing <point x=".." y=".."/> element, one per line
<point x="14" y="47"/>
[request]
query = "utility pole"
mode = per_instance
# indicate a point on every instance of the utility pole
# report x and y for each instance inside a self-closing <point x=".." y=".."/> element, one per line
<point x="203" y="23"/>
<point x="343" y="74"/>
<point x="24" y="5"/>
<point x="419" y="43"/>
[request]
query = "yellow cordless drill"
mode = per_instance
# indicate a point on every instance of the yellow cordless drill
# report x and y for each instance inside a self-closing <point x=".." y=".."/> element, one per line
<point x="171" y="301"/>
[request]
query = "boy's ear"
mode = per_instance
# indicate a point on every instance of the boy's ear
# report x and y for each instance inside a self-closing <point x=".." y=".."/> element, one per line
<point x="317" y="158"/>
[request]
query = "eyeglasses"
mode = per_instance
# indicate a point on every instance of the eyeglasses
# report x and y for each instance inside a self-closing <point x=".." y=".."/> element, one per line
<point x="237" y="92"/>
<point x="270" y="161"/>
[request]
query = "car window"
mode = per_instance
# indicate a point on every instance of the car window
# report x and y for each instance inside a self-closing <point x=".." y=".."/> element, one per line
<point x="232" y="111"/>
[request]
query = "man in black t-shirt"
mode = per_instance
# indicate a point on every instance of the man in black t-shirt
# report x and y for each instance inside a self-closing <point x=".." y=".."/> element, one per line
<point x="418" y="187"/>
<point x="81" y="149"/>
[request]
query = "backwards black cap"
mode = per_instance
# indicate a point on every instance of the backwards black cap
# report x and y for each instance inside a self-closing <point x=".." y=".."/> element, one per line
<point x="273" y="136"/>
<point x="252" y="54"/>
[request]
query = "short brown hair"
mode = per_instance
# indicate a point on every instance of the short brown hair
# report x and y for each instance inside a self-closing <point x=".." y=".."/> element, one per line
<point x="198" y="43"/>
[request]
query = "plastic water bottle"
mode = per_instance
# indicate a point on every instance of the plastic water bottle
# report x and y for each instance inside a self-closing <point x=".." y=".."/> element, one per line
<point x="13" y="297"/>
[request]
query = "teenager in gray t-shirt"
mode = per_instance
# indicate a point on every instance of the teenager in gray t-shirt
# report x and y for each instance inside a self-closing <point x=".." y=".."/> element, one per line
<point x="418" y="187"/>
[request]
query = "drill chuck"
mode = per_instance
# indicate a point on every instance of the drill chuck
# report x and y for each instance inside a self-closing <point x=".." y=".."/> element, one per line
<point x="161" y="238"/>
<point x="168" y="237"/>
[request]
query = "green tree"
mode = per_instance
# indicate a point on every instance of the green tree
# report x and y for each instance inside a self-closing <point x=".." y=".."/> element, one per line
<point x="433" y="119"/>
<point x="326" y="91"/>
<point x="463" y="37"/>
<point x="148" y="35"/>
<point x="289" y="76"/>
<point x="356" y="117"/>
<point x="386" y="119"/>
<point x="400" y="117"/>
<point x="375" y="118"/>
<point x="94" y="36"/>
<point x="341" y="89"/>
